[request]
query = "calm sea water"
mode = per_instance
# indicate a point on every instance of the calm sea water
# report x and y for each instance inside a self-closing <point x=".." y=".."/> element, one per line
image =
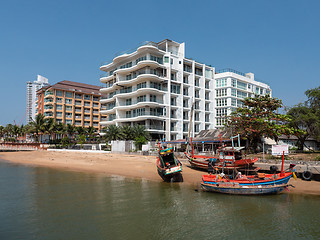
<point x="43" y="203"/>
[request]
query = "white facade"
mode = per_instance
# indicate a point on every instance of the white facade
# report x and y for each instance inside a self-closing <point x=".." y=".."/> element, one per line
<point x="32" y="88"/>
<point x="155" y="86"/>
<point x="230" y="88"/>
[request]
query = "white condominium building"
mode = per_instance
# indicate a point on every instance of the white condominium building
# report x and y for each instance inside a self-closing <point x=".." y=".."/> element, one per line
<point x="32" y="88"/>
<point x="155" y="85"/>
<point x="231" y="87"/>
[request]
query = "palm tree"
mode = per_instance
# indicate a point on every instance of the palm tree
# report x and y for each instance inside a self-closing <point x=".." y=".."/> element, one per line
<point x="38" y="126"/>
<point x="70" y="129"/>
<point x="2" y="131"/>
<point x="61" y="130"/>
<point x="50" y="127"/>
<point x="112" y="133"/>
<point x="8" y="131"/>
<point x="127" y="132"/>
<point x="91" y="132"/>
<point x="141" y="131"/>
<point x="16" y="132"/>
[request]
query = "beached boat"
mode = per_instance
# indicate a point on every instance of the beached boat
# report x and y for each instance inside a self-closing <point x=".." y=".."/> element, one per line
<point x="237" y="189"/>
<point x="260" y="183"/>
<point x="168" y="166"/>
<point x="248" y="180"/>
<point x="227" y="158"/>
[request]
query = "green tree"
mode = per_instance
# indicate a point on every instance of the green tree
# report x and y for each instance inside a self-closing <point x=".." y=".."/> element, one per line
<point x="306" y="117"/>
<point x="112" y="133"/>
<point x="139" y="141"/>
<point x="139" y="130"/>
<point x="258" y="118"/>
<point x="38" y="126"/>
<point x="71" y="130"/>
<point x="127" y="132"/>
<point x="49" y="127"/>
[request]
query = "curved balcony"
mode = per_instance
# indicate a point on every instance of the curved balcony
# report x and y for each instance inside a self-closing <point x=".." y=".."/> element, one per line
<point x="136" y="104"/>
<point x="140" y="78"/>
<point x="126" y="55"/>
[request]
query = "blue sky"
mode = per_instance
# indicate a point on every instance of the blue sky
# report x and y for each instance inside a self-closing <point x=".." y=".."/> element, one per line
<point x="68" y="40"/>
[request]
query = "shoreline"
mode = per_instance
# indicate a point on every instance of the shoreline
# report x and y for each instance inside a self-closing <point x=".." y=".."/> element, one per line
<point x="131" y="166"/>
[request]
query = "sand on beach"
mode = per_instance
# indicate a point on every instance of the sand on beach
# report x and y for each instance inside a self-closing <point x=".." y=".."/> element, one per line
<point x="133" y="166"/>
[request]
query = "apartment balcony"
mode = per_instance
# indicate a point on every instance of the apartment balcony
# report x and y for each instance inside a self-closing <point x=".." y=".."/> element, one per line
<point x="151" y="47"/>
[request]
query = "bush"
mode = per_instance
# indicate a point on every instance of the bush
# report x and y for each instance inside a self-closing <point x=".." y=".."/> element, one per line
<point x="317" y="158"/>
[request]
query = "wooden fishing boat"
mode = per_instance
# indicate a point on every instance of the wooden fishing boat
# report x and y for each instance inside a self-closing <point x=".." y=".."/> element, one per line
<point x="248" y="180"/>
<point x="227" y="158"/>
<point x="168" y="166"/>
<point x="260" y="183"/>
<point x="237" y="189"/>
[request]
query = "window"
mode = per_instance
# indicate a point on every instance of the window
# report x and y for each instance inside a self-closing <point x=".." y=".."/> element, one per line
<point x="153" y="98"/>
<point x="187" y="68"/>
<point x="185" y="91"/>
<point x="185" y="103"/>
<point x="207" y="85"/>
<point x="141" y="59"/>
<point x="175" y="88"/>
<point x="156" y="59"/>
<point x="242" y="85"/>
<point x="207" y="117"/>
<point x="233" y="83"/>
<point x="127" y="65"/>
<point x="142" y="85"/>
<point x="207" y="106"/>
<point x="241" y="94"/>
<point x="69" y="94"/>
<point x="221" y="92"/>
<point x="68" y="101"/>
<point x="59" y="107"/>
<point x="197" y="93"/>
<point x="185" y="79"/>
<point x="233" y="92"/>
<point x="128" y="101"/>
<point x="207" y="95"/>
<point x="221" y="112"/>
<point x="166" y="59"/>
<point x="59" y="100"/>
<point x="185" y="115"/>
<point x="141" y="98"/>
<point x="233" y="102"/>
<point x="59" y="93"/>
<point x="222" y="82"/>
<point x="208" y="73"/>
<point x="196" y="82"/>
<point x="221" y="102"/>
<point x="68" y="108"/>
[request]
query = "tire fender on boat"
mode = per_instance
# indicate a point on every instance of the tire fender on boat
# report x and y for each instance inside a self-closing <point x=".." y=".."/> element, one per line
<point x="307" y="175"/>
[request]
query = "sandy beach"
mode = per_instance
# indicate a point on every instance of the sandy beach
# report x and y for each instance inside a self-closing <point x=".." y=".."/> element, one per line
<point x="133" y="166"/>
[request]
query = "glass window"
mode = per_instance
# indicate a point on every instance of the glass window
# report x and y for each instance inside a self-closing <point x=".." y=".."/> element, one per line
<point x="68" y="101"/>
<point x="59" y="93"/>
<point x="222" y="82"/>
<point x="166" y="59"/>
<point x="69" y="94"/>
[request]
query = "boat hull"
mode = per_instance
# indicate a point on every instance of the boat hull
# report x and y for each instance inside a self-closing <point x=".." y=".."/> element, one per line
<point x="244" y="190"/>
<point x="269" y="179"/>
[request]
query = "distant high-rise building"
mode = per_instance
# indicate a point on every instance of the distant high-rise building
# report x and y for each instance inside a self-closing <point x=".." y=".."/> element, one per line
<point x="32" y="88"/>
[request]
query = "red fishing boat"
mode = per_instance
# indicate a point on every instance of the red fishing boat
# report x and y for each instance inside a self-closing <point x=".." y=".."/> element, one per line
<point x="260" y="183"/>
<point x="227" y="158"/>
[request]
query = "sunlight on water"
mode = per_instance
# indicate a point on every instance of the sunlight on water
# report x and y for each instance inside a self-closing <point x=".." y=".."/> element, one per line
<point x="42" y="203"/>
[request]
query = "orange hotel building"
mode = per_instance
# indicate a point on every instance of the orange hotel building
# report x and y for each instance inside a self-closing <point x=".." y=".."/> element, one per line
<point x="71" y="103"/>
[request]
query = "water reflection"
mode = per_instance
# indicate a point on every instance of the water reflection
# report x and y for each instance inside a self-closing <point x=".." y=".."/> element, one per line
<point x="41" y="203"/>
